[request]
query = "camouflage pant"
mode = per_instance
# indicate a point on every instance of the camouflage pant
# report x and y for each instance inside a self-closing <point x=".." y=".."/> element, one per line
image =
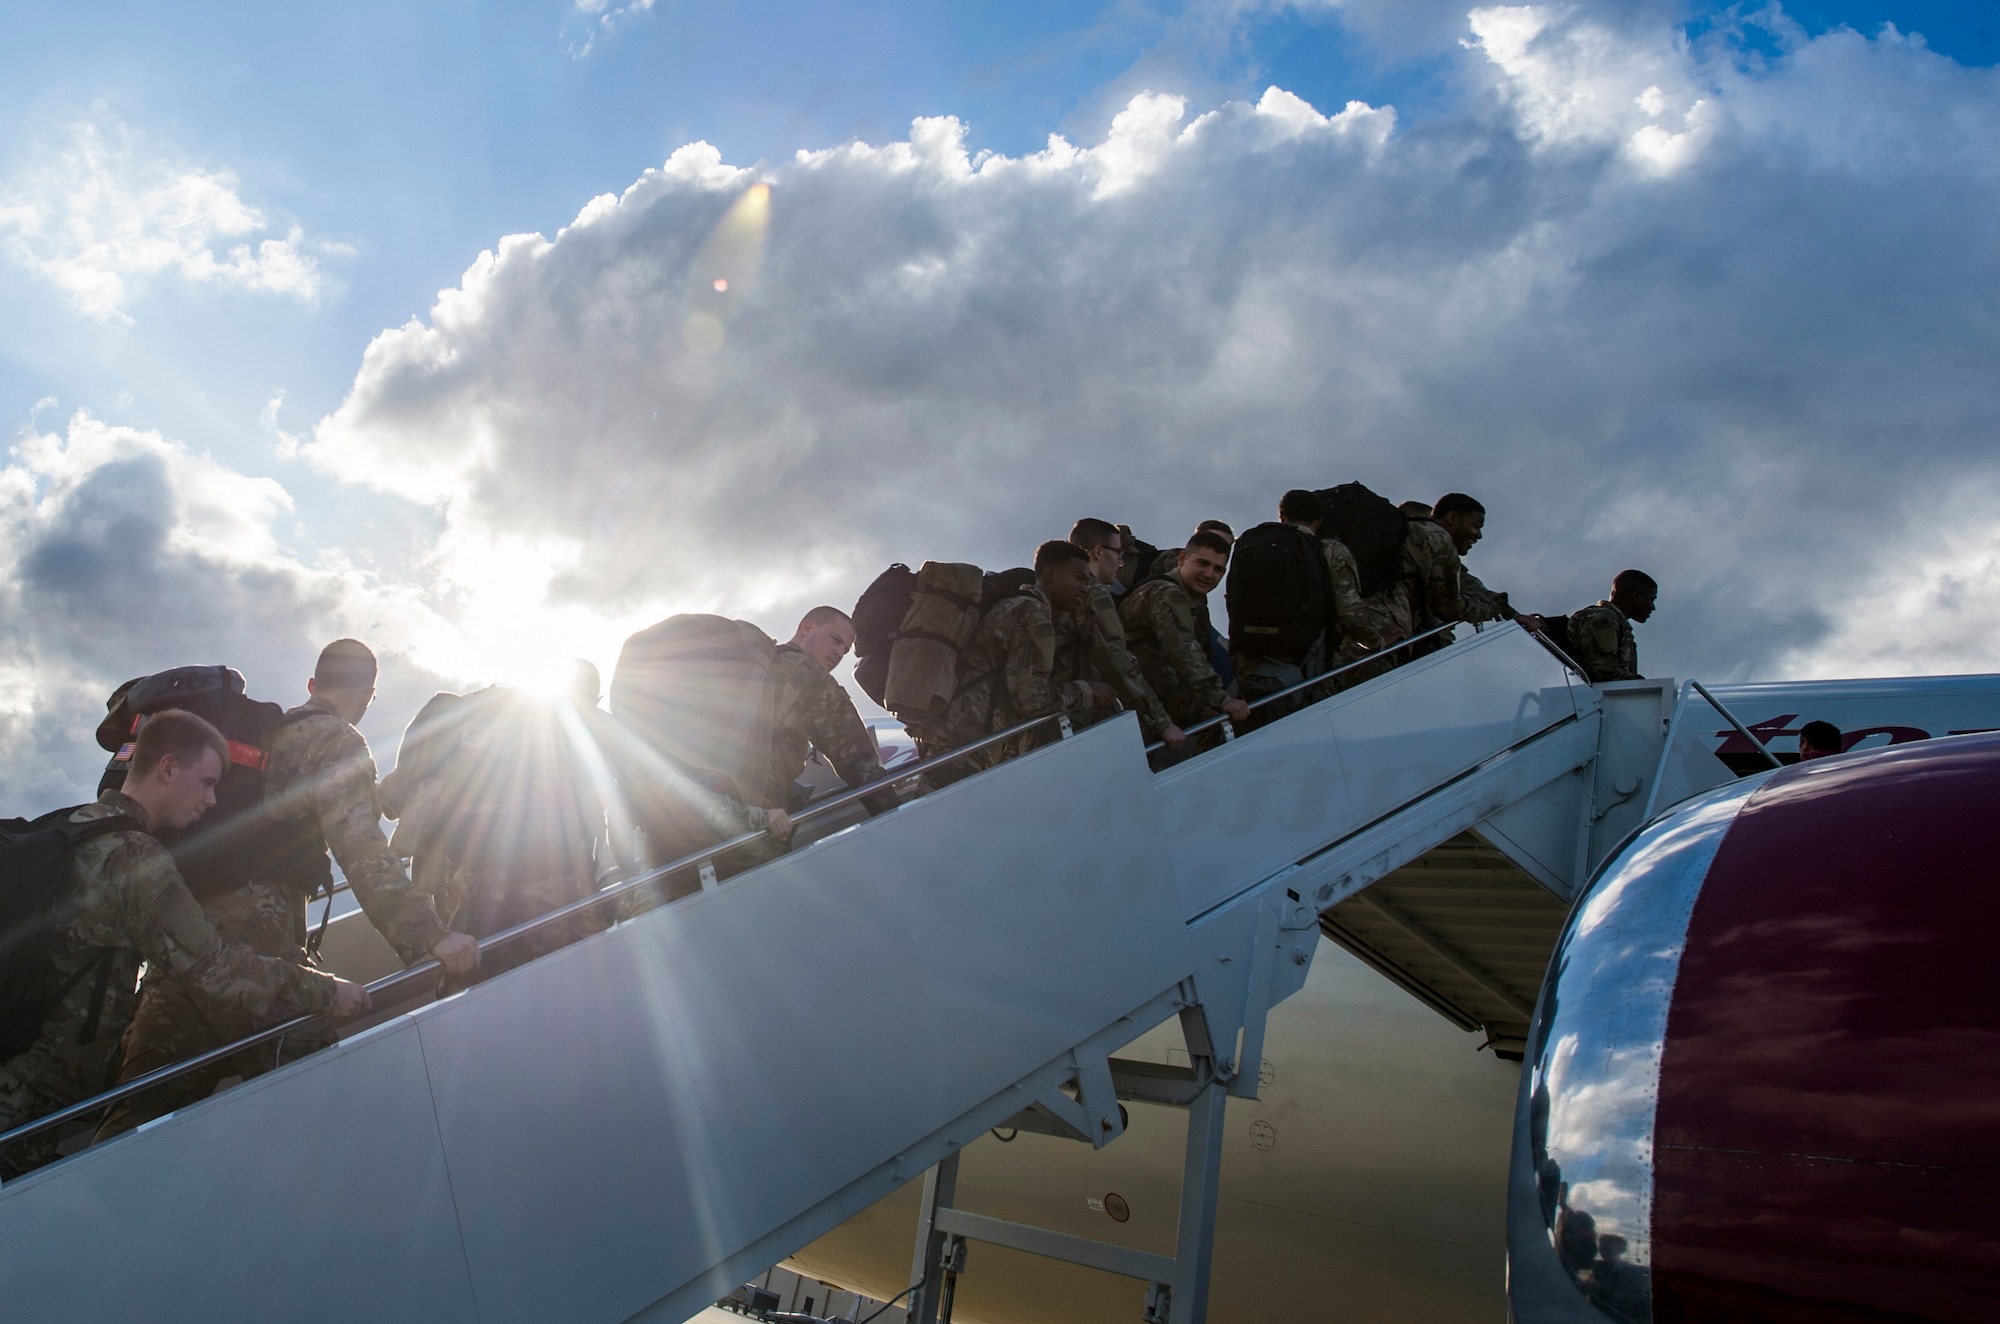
<point x="37" y="1082"/>
<point x="494" y="905"/>
<point x="173" y="1023"/>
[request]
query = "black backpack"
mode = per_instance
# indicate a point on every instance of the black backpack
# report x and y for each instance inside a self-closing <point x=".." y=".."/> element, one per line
<point x="876" y="616"/>
<point x="999" y="585"/>
<point x="1372" y="528"/>
<point x="1277" y="593"/>
<point x="235" y="841"/>
<point x="34" y="871"/>
<point x="1139" y="558"/>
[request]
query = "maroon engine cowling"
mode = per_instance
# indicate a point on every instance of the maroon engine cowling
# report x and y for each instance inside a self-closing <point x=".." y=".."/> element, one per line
<point x="1764" y="1077"/>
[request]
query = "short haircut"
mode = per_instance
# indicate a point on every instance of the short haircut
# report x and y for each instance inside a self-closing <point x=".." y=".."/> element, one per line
<point x="1299" y="506"/>
<point x="1091" y="534"/>
<point x="345" y="664"/>
<point x="1823" y="736"/>
<point x="1209" y="539"/>
<point x="1057" y="552"/>
<point x="822" y="616"/>
<point x="1636" y="580"/>
<point x="177" y="732"/>
<point x="1453" y="502"/>
<point x="1218" y="528"/>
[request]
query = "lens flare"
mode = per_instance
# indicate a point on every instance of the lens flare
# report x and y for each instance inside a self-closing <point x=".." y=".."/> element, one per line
<point x="723" y="273"/>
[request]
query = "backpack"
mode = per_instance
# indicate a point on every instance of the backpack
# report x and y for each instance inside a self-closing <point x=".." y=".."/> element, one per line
<point x="877" y="615"/>
<point x="34" y="871"/>
<point x="236" y="841"/>
<point x="1372" y="528"/>
<point x="697" y="688"/>
<point x="1277" y="593"/>
<point x="1139" y="557"/>
<point x="946" y="605"/>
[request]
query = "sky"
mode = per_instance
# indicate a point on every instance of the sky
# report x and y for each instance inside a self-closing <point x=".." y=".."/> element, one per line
<point x="402" y="321"/>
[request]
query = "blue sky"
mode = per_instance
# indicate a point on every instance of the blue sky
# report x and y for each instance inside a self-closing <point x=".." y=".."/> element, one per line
<point x="1631" y="269"/>
<point x="419" y="134"/>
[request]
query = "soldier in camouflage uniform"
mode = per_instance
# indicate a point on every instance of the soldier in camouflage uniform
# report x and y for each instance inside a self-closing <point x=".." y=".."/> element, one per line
<point x="520" y="817"/>
<point x="1434" y="577"/>
<point x="1355" y="626"/>
<point x="1099" y="634"/>
<point x="1165" y="624"/>
<point x="319" y="784"/>
<point x="810" y="710"/>
<point x="1600" y="636"/>
<point x="125" y="903"/>
<point x="1011" y="669"/>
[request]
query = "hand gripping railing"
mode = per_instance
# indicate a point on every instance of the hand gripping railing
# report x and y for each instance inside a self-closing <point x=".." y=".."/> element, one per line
<point x="1229" y="729"/>
<point x="430" y="968"/>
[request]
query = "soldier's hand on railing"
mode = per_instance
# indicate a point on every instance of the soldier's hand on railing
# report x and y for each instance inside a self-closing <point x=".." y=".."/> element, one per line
<point x="1101" y="694"/>
<point x="1529" y="622"/>
<point x="458" y="953"/>
<point x="1235" y="709"/>
<point x="779" y="825"/>
<point x="349" y="1000"/>
<point x="1173" y="736"/>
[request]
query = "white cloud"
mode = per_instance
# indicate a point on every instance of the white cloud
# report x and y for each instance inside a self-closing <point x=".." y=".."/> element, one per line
<point x="1657" y="303"/>
<point x="590" y="21"/>
<point x="1749" y="351"/>
<point x="122" y="553"/>
<point x="101" y="207"/>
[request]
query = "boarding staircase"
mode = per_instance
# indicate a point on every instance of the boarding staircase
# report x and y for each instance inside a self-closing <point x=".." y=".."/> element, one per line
<point x="631" y="1126"/>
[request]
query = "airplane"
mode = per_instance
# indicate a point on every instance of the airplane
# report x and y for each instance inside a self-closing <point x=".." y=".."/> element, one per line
<point x="1369" y="1181"/>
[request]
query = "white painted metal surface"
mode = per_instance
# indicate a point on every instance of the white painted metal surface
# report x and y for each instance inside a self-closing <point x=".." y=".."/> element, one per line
<point x="1274" y="796"/>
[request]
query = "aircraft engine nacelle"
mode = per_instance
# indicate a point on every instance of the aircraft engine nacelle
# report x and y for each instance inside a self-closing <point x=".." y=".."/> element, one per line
<point x="1763" y="1082"/>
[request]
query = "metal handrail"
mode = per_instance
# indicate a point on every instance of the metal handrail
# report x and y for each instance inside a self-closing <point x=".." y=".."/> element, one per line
<point x="813" y="805"/>
<point x="1737" y="722"/>
<point x="1321" y="679"/>
<point x="430" y="967"/>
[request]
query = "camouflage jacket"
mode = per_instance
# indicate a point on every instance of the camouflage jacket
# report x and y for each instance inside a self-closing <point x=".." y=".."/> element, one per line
<point x="1098" y="637"/>
<point x="1600" y="640"/>
<point x="1356" y="633"/>
<point x="127" y="897"/>
<point x="1437" y="585"/>
<point x="1483" y="603"/>
<point x="321" y="779"/>
<point x="1008" y="672"/>
<point x="1165" y="627"/>
<point x="811" y="709"/>
<point x="126" y="904"/>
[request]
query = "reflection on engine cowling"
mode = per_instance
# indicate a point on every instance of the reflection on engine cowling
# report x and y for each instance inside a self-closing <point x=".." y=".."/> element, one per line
<point x="1583" y="1247"/>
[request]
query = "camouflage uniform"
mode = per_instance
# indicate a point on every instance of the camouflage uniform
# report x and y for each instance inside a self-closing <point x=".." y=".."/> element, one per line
<point x="320" y="785"/>
<point x="810" y="709"/>
<point x="131" y="906"/>
<point x="1483" y="603"/>
<point x="1354" y="625"/>
<point x="1166" y="624"/>
<point x="520" y="817"/>
<point x="681" y="809"/>
<point x="1097" y="637"/>
<point x="1600" y="638"/>
<point x="1013" y="671"/>
<point x="1438" y="587"/>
